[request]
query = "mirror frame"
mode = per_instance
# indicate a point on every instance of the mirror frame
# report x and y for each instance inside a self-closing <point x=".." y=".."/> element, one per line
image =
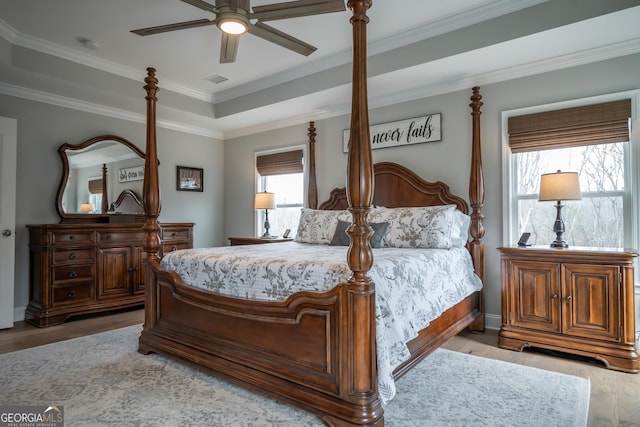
<point x="62" y="151"/>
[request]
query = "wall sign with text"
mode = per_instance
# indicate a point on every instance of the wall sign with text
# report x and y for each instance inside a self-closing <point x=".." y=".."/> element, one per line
<point x="131" y="174"/>
<point x="404" y="132"/>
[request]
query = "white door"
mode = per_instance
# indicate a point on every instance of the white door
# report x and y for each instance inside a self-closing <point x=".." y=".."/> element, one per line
<point x="8" y="157"/>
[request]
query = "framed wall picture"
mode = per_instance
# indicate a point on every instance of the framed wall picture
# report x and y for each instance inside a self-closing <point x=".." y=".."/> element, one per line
<point x="189" y="179"/>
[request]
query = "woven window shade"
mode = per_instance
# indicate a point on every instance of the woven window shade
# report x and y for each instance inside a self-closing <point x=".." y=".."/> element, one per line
<point x="280" y="163"/>
<point x="95" y="186"/>
<point x="591" y="124"/>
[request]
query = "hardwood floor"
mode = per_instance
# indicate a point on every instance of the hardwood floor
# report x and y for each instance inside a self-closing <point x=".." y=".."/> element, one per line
<point x="615" y="396"/>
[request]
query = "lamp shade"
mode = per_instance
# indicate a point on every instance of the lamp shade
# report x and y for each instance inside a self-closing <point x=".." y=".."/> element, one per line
<point x="265" y="201"/>
<point x="559" y="186"/>
<point x="86" y="207"/>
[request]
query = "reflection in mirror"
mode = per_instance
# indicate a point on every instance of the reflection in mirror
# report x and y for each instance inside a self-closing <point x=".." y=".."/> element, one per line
<point x="96" y="173"/>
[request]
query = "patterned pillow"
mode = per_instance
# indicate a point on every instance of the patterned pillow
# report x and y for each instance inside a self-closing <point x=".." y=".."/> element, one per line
<point x="318" y="226"/>
<point x="341" y="238"/>
<point x="420" y="227"/>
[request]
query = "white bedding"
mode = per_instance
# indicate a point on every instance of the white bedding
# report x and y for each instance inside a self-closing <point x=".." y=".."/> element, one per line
<point x="413" y="286"/>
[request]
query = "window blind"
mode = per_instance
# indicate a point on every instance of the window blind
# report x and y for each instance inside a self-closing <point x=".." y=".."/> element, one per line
<point x="280" y="163"/>
<point x="95" y="186"/>
<point x="607" y="122"/>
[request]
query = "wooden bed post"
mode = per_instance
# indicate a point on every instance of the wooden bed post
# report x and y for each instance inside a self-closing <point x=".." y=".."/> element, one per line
<point x="312" y="188"/>
<point x="359" y="316"/>
<point x="151" y="187"/>
<point x="476" y="197"/>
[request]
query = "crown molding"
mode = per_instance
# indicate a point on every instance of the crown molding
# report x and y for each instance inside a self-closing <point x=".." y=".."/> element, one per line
<point x="90" y="107"/>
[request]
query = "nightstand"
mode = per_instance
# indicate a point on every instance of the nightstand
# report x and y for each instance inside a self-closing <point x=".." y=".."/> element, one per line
<point x="575" y="300"/>
<point x="236" y="241"/>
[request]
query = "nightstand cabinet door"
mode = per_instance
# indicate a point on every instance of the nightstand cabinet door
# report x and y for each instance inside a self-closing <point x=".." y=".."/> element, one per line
<point x="535" y="296"/>
<point x="590" y="302"/>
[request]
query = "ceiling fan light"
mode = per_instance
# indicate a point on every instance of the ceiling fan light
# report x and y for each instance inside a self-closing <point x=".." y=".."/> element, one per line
<point x="232" y="25"/>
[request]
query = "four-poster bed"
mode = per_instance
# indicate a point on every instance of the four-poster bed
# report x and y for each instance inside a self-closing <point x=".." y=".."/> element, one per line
<point x="316" y="350"/>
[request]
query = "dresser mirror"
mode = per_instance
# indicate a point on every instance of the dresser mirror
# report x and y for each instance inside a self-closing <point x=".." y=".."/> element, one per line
<point x="102" y="179"/>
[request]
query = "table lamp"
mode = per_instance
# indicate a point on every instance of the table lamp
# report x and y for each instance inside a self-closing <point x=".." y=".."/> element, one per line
<point x="266" y="201"/>
<point x="559" y="186"/>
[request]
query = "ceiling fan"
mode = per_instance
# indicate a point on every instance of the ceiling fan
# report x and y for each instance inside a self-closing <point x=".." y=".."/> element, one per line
<point x="233" y="17"/>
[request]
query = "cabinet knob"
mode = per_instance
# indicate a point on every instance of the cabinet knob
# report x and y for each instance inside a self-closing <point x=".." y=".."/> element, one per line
<point x="71" y="294"/>
<point x="554" y="296"/>
<point x="130" y="268"/>
<point x="73" y="275"/>
<point x="567" y="298"/>
<point x="6" y="233"/>
<point x="174" y="248"/>
<point x="137" y="269"/>
<point x="73" y="255"/>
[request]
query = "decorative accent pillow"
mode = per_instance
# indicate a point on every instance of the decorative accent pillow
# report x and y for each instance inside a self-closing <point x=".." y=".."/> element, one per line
<point x="419" y="227"/>
<point x="318" y="226"/>
<point x="341" y="238"/>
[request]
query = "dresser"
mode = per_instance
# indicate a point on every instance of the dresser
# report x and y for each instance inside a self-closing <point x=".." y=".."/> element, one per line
<point x="88" y="268"/>
<point x="575" y="300"/>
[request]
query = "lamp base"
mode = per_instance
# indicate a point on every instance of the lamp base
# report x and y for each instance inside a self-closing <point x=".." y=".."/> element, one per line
<point x="559" y="244"/>
<point x="268" y="236"/>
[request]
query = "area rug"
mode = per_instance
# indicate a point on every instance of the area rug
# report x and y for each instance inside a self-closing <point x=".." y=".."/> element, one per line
<point x="101" y="380"/>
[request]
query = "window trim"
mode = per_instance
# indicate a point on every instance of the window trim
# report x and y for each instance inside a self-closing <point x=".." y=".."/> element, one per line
<point x="631" y="168"/>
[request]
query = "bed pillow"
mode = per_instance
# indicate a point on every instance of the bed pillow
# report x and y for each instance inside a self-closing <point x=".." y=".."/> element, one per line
<point x="460" y="229"/>
<point x="341" y="238"/>
<point x="420" y="227"/>
<point x="318" y="226"/>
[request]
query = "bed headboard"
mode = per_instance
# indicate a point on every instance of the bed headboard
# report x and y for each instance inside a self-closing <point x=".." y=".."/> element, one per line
<point x="396" y="186"/>
<point x="127" y="202"/>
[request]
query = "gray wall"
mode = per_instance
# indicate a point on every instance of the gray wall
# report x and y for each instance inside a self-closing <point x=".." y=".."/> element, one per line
<point x="447" y="160"/>
<point x="42" y="128"/>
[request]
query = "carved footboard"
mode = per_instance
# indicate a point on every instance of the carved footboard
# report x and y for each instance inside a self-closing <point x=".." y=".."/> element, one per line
<point x="294" y="350"/>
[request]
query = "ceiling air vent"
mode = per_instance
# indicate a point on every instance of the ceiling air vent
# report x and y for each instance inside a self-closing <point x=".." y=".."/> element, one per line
<point x="217" y="79"/>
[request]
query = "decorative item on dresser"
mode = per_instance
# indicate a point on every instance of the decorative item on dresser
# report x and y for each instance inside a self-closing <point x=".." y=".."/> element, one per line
<point x="237" y="241"/>
<point x="577" y="300"/>
<point x="556" y="187"/>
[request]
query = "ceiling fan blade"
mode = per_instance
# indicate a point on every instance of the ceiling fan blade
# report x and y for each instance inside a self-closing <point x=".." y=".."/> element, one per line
<point x="173" y="27"/>
<point x="294" y="9"/>
<point x="278" y="37"/>
<point x="202" y="5"/>
<point x="229" y="48"/>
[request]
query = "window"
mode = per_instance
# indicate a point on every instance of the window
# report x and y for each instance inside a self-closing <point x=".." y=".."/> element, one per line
<point x="592" y="140"/>
<point x="95" y="193"/>
<point x="281" y="173"/>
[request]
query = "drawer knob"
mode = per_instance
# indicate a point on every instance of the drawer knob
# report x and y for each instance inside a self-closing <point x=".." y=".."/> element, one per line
<point x="71" y="237"/>
<point x="174" y="248"/>
<point x="73" y="275"/>
<point x="554" y="296"/>
<point x="130" y="269"/>
<point x="71" y="294"/>
<point x="73" y="255"/>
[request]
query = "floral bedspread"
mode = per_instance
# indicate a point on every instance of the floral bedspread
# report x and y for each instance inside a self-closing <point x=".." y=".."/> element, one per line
<point x="413" y="286"/>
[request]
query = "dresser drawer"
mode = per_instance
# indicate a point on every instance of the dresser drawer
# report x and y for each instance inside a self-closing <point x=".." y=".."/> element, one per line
<point x="72" y="293"/>
<point x="170" y="247"/>
<point x="120" y="236"/>
<point x="73" y="256"/>
<point x="73" y="272"/>
<point x="171" y="234"/>
<point x="73" y="237"/>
